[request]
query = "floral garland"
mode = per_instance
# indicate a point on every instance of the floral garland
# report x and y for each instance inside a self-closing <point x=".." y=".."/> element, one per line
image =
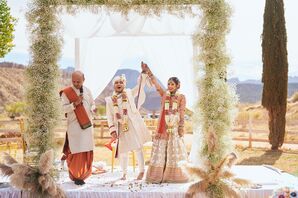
<point x="285" y="192"/>
<point x="171" y="111"/>
<point x="124" y="119"/>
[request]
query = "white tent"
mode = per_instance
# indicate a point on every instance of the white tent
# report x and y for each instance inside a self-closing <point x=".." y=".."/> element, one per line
<point x="106" y="41"/>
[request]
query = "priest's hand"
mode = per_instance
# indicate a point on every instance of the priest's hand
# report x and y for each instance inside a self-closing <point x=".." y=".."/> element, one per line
<point x="78" y="101"/>
<point x="114" y="135"/>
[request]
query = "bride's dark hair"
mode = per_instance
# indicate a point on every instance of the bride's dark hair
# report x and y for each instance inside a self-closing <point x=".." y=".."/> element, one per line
<point x="175" y="80"/>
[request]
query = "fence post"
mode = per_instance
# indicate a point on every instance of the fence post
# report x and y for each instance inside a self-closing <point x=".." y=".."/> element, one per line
<point x="22" y="128"/>
<point x="249" y="129"/>
<point x="101" y="128"/>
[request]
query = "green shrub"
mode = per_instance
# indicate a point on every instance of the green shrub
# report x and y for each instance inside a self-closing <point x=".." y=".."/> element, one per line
<point x="101" y="110"/>
<point x="15" y="109"/>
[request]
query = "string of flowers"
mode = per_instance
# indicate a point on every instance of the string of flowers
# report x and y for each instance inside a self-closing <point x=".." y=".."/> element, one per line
<point x="171" y="111"/>
<point x="143" y="7"/>
<point x="285" y="192"/>
<point x="124" y="118"/>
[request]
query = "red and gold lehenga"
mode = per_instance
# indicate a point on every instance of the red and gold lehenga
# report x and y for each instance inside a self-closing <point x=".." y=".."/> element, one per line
<point x="168" y="149"/>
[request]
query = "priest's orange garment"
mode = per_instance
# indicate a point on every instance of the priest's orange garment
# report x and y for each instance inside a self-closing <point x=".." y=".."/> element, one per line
<point x="79" y="164"/>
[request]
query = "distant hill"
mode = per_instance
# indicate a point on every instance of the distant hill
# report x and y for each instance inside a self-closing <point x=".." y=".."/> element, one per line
<point x="12" y="82"/>
<point x="291" y="79"/>
<point x="12" y="86"/>
<point x="250" y="91"/>
<point x="152" y="102"/>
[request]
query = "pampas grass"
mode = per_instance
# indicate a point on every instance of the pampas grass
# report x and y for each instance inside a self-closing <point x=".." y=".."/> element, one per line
<point x="6" y="170"/>
<point x="36" y="180"/>
<point x="9" y="159"/>
<point x="45" y="162"/>
<point x="218" y="181"/>
<point x="230" y="191"/>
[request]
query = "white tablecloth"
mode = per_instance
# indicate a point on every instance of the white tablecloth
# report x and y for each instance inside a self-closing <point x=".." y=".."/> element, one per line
<point x="108" y="185"/>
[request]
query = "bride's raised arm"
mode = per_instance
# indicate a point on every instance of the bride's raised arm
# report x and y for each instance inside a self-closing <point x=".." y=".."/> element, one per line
<point x="154" y="81"/>
<point x="138" y="91"/>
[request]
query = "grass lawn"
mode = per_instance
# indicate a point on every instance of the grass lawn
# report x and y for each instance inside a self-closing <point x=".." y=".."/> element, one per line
<point x="286" y="160"/>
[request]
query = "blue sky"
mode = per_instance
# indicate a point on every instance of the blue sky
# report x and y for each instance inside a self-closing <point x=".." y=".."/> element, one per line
<point x="243" y="42"/>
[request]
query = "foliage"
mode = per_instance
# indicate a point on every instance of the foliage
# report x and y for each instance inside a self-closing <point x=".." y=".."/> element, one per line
<point x="15" y="109"/>
<point x="275" y="70"/>
<point x="7" y="25"/>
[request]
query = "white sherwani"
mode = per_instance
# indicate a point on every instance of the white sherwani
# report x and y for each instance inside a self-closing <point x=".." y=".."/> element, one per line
<point x="137" y="133"/>
<point x="80" y="140"/>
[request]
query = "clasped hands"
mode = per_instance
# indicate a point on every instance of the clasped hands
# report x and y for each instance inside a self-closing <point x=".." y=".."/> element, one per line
<point x="146" y="69"/>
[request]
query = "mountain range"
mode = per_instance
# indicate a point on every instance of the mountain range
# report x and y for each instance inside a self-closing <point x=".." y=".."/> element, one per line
<point x="12" y="86"/>
<point x="250" y="91"/>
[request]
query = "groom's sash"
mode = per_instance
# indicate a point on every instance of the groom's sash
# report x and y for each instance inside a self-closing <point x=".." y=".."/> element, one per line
<point x="80" y="110"/>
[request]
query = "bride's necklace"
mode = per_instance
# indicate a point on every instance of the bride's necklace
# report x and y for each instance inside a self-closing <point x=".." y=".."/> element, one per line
<point x="171" y="111"/>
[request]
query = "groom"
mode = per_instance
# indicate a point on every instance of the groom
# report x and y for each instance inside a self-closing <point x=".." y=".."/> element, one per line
<point x="125" y="121"/>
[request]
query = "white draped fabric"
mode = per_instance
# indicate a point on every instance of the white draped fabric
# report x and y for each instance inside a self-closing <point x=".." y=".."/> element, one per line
<point x="108" y="185"/>
<point x="104" y="41"/>
<point x="101" y="57"/>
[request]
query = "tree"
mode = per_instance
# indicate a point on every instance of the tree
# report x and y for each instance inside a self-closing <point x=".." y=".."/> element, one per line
<point x="275" y="70"/>
<point x="7" y="23"/>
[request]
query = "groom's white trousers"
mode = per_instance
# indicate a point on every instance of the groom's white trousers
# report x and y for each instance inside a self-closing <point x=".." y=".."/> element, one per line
<point x="123" y="157"/>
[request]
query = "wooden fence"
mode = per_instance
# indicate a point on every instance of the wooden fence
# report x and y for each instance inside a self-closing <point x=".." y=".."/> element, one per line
<point x="101" y="131"/>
